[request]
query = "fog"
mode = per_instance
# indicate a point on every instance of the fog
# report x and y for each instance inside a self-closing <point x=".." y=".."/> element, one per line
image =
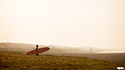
<point x="23" y="47"/>
<point x="76" y="24"/>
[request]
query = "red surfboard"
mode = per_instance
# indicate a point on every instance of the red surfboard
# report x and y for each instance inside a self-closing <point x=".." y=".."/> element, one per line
<point x="40" y="50"/>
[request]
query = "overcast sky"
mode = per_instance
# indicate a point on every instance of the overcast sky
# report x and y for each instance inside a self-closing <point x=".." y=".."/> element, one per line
<point x="76" y="23"/>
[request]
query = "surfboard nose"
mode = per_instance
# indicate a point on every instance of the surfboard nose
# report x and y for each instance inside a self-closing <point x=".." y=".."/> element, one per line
<point x="47" y="48"/>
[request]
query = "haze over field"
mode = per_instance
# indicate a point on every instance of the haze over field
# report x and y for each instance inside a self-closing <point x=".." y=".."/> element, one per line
<point x="74" y="23"/>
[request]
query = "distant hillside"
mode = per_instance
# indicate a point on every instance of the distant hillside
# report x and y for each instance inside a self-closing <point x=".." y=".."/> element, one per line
<point x="24" y="46"/>
<point x="11" y="46"/>
<point x="53" y="48"/>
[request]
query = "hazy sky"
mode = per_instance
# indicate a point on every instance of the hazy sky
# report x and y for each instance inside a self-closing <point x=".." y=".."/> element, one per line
<point x="96" y="23"/>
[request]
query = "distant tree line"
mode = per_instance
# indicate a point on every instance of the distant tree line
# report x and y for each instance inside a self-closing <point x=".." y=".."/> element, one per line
<point x="53" y="48"/>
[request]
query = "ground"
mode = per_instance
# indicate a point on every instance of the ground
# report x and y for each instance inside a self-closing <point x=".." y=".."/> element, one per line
<point x="13" y="60"/>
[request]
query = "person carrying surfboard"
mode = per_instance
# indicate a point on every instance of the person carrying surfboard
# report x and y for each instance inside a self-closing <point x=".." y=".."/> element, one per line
<point x="37" y="50"/>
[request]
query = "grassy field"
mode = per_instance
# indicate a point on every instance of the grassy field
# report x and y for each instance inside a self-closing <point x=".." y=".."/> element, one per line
<point x="12" y="60"/>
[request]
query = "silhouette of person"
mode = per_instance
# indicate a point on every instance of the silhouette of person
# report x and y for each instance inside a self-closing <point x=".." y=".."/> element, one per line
<point x="90" y="51"/>
<point x="37" y="50"/>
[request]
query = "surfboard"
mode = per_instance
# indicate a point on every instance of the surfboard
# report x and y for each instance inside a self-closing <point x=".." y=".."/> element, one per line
<point x="40" y="50"/>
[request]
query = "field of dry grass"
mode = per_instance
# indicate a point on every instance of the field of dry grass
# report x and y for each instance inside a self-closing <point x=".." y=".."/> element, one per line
<point x="112" y="57"/>
<point x="13" y="60"/>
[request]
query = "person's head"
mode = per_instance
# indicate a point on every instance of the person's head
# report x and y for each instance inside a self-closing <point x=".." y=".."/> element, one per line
<point x="37" y="45"/>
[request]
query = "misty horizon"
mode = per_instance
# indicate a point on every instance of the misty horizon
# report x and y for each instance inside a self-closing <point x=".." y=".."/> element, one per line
<point x="58" y="49"/>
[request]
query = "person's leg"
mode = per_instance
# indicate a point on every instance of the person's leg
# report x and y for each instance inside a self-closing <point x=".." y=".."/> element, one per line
<point x="37" y="54"/>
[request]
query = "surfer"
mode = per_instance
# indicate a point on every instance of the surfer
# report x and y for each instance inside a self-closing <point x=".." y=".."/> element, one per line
<point x="90" y="51"/>
<point x="37" y="50"/>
